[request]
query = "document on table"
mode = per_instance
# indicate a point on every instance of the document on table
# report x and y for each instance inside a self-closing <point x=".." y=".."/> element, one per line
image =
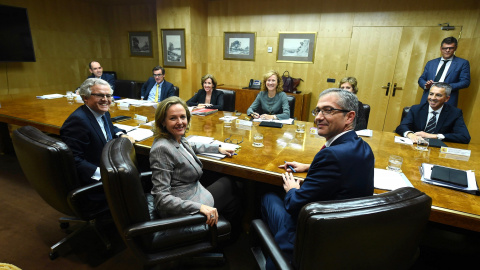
<point x="140" y="134"/>
<point x="390" y="180"/>
<point x="127" y="128"/>
<point x="51" y="96"/>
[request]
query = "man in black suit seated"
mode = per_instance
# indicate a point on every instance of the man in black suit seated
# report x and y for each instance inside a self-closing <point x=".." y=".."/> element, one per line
<point x="156" y="88"/>
<point x="435" y="119"/>
<point x="97" y="72"/>
<point x="89" y="127"/>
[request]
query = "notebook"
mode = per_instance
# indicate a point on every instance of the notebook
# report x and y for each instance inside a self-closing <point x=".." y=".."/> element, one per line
<point x="449" y="175"/>
<point x="271" y="124"/>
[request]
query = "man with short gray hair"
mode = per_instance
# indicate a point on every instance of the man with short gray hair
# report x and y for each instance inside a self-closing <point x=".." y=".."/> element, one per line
<point x="435" y="119"/>
<point x="342" y="169"/>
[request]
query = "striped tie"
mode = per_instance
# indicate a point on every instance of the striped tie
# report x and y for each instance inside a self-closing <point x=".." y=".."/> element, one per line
<point x="432" y="123"/>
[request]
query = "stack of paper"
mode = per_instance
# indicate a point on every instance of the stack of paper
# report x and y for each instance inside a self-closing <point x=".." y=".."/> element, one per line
<point x="51" y="96"/>
<point x="140" y="134"/>
<point x="390" y="180"/>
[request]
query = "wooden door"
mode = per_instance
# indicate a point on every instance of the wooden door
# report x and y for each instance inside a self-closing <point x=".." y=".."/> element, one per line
<point x="387" y="62"/>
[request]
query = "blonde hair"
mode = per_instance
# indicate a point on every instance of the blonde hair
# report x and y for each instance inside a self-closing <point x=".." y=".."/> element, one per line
<point x="279" y="81"/>
<point x="161" y="113"/>
<point x="352" y="81"/>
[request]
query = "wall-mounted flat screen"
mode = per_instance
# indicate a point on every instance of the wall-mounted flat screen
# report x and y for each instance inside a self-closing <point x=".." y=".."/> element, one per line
<point x="16" y="44"/>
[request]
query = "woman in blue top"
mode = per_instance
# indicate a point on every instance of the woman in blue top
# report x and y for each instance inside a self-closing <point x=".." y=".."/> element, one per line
<point x="271" y="102"/>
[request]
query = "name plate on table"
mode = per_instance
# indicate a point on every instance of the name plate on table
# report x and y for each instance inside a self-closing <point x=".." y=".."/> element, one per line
<point x="140" y="118"/>
<point x="244" y="122"/>
<point x="455" y="151"/>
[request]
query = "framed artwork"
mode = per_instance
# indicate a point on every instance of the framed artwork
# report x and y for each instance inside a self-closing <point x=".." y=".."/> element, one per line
<point x="296" y="47"/>
<point x="239" y="46"/>
<point x="140" y="44"/>
<point x="173" y="48"/>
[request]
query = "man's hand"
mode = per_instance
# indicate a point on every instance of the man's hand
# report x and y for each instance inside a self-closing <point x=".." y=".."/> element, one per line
<point x="299" y="167"/>
<point x="290" y="182"/>
<point x="428" y="84"/>
<point x="426" y="135"/>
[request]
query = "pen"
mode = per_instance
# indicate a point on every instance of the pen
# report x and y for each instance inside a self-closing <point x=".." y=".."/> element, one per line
<point x="290" y="167"/>
<point x="234" y="154"/>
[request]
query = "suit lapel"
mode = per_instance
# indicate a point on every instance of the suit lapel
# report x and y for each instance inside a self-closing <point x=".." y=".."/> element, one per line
<point x="433" y="71"/>
<point x="189" y="149"/>
<point x="441" y="119"/>
<point x="423" y="115"/>
<point x="452" y="67"/>
<point x="94" y="124"/>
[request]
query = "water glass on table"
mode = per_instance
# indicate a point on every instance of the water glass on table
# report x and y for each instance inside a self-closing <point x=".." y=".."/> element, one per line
<point x="395" y="163"/>
<point x="422" y="144"/>
<point x="258" y="140"/>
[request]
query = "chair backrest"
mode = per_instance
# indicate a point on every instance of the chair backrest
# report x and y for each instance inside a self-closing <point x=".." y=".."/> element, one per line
<point x="366" y="109"/>
<point x="405" y="112"/>
<point x="291" y="104"/>
<point x="228" y="100"/>
<point x="176" y="91"/>
<point x="122" y="185"/>
<point x="113" y="73"/>
<point x="48" y="165"/>
<point x="125" y="89"/>
<point x="376" y="232"/>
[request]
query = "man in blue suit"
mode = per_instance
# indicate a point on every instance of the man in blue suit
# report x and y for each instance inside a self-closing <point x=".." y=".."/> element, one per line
<point x="156" y="88"/>
<point x="97" y="72"/>
<point x="342" y="169"/>
<point x="89" y="127"/>
<point x="449" y="69"/>
<point x="435" y="119"/>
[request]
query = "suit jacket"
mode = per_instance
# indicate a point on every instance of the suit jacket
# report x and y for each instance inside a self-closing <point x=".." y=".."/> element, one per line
<point x="458" y="76"/>
<point x="216" y="100"/>
<point x="342" y="171"/>
<point x="83" y="135"/>
<point x="450" y="123"/>
<point x="166" y="91"/>
<point x="107" y="77"/>
<point x="176" y="175"/>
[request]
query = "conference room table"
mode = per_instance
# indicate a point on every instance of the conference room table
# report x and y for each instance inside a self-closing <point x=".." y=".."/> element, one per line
<point x="450" y="207"/>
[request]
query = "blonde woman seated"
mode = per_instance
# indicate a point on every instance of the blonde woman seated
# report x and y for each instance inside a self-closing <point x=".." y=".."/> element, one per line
<point x="208" y="96"/>
<point x="177" y="172"/>
<point x="350" y="84"/>
<point x="271" y="102"/>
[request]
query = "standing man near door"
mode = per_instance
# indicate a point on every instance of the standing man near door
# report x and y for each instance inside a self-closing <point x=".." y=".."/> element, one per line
<point x="156" y="88"/>
<point x="449" y="69"/>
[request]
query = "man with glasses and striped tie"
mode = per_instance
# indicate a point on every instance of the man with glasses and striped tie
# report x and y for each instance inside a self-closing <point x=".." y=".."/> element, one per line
<point x="435" y="119"/>
<point x="449" y="69"/>
<point x="89" y="128"/>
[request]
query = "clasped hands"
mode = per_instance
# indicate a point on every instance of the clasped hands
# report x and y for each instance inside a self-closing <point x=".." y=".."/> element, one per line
<point x="202" y="105"/>
<point x="420" y="135"/>
<point x="289" y="181"/>
<point x="263" y="116"/>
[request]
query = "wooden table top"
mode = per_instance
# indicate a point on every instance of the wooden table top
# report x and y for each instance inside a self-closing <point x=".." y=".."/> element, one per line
<point x="261" y="164"/>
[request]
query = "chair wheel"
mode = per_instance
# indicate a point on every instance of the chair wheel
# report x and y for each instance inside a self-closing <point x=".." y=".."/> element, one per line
<point x="64" y="225"/>
<point x="53" y="255"/>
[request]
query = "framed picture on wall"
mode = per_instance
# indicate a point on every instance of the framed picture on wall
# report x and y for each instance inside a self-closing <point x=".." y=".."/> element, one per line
<point x="239" y="46"/>
<point x="173" y="48"/>
<point x="140" y="44"/>
<point x="296" y="47"/>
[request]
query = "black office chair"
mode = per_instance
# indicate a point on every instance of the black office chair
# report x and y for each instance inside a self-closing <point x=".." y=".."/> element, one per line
<point x="375" y="232"/>
<point x="152" y="239"/>
<point x="366" y="110"/>
<point x="405" y="112"/>
<point x="113" y="73"/>
<point x="291" y="104"/>
<point x="176" y="91"/>
<point x="228" y="100"/>
<point x="125" y="89"/>
<point x="49" y="166"/>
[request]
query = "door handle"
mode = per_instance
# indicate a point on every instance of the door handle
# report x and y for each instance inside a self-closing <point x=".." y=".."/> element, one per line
<point x="386" y="87"/>
<point x="395" y="88"/>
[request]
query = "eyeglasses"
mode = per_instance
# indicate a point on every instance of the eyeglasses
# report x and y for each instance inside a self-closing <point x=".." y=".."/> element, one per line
<point x="157" y="75"/>
<point x="102" y="95"/>
<point x="326" y="111"/>
<point x="235" y="141"/>
<point x="448" y="48"/>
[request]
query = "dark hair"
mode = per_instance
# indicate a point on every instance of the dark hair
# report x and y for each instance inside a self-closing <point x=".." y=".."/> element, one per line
<point x="449" y="40"/>
<point x="90" y="64"/>
<point x="159" y="68"/>
<point x="161" y="113"/>
<point x="446" y="86"/>
<point x="214" y="81"/>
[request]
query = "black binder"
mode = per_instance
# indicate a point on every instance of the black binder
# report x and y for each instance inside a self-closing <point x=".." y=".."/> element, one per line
<point x="436" y="143"/>
<point x="271" y="124"/>
<point x="450" y="176"/>
<point x="120" y="118"/>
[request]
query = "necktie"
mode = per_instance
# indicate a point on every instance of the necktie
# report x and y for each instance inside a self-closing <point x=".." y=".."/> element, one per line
<point x="323" y="147"/>
<point x="107" y="128"/>
<point x="440" y="71"/>
<point x="156" y="94"/>
<point x="432" y="123"/>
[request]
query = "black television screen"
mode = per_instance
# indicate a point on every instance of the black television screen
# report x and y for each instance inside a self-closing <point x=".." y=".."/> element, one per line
<point x="16" y="44"/>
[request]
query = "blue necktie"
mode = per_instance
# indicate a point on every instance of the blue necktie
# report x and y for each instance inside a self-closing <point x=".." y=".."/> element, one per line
<point x="432" y="123"/>
<point x="106" y="127"/>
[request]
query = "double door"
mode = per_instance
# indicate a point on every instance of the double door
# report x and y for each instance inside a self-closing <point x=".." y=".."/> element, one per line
<point x="387" y="62"/>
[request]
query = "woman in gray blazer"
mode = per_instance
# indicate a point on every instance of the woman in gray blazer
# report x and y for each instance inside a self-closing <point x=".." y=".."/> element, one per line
<point x="176" y="170"/>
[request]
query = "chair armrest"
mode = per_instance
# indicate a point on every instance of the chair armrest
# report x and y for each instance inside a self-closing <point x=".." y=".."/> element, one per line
<point x="163" y="224"/>
<point x="77" y="198"/>
<point x="262" y="234"/>
<point x="146" y="175"/>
